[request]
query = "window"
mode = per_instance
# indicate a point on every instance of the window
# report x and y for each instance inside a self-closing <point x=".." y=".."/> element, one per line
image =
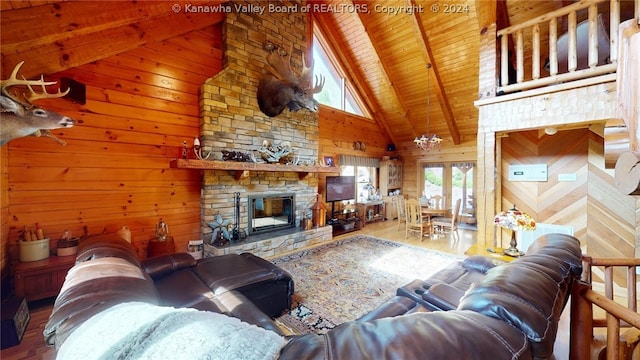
<point x="462" y="186"/>
<point x="337" y="92"/>
<point x="433" y="180"/>
<point x="451" y="181"/>
<point x="365" y="180"/>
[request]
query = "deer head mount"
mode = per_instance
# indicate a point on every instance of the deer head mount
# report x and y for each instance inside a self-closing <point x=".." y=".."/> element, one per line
<point x="282" y="88"/>
<point x="20" y="117"/>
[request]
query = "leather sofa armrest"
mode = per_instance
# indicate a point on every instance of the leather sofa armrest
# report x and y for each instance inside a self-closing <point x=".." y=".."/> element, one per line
<point x="478" y="263"/>
<point x="235" y="304"/>
<point x="398" y="305"/>
<point x="443" y="296"/>
<point x="160" y="266"/>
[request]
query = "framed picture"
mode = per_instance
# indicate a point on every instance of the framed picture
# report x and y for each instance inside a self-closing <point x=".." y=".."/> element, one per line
<point x="328" y="160"/>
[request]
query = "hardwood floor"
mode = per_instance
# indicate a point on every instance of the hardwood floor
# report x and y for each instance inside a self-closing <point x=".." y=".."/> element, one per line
<point x="32" y="346"/>
<point x="455" y="243"/>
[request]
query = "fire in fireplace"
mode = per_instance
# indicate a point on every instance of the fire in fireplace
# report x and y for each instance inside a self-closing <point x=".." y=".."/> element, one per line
<point x="271" y="212"/>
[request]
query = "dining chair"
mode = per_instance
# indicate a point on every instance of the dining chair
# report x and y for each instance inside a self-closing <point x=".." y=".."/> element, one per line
<point x="442" y="222"/>
<point x="437" y="199"/>
<point x="415" y="221"/>
<point x="402" y="214"/>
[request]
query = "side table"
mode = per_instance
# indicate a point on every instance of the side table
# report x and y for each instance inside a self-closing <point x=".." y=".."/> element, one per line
<point x="495" y="254"/>
<point x="41" y="279"/>
<point x="157" y="247"/>
<point x="373" y="208"/>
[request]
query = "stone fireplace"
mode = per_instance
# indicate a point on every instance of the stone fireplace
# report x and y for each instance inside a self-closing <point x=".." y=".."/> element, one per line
<point x="231" y="120"/>
<point x="269" y="213"/>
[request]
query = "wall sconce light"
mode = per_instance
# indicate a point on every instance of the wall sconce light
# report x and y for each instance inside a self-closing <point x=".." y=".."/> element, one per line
<point x="197" y="149"/>
<point x="359" y="146"/>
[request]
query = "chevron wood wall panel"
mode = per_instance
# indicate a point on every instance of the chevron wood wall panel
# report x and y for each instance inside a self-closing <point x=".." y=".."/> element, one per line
<point x="553" y="201"/>
<point x="603" y="218"/>
<point x="612" y="215"/>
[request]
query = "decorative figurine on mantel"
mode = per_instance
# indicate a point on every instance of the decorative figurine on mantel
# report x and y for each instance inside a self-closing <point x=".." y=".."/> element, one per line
<point x="238" y="156"/>
<point x="275" y="153"/>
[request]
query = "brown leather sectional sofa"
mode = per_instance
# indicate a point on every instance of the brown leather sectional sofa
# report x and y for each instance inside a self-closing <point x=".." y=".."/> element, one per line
<point x="508" y="311"/>
<point x="243" y="286"/>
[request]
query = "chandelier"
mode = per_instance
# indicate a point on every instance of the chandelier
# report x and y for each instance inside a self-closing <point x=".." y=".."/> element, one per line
<point x="428" y="141"/>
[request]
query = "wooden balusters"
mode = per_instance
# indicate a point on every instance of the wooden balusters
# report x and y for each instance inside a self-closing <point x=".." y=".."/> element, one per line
<point x="579" y="63"/>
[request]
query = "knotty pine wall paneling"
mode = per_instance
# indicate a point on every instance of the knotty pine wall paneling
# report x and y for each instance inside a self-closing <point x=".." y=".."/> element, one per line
<point x="141" y="105"/>
<point x="4" y="209"/>
<point x="339" y="130"/>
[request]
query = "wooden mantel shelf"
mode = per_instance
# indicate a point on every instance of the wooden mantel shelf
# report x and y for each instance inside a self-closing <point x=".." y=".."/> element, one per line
<point x="242" y="168"/>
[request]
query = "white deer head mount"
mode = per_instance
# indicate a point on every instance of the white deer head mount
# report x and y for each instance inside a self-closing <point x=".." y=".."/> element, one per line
<point x="20" y="117"/>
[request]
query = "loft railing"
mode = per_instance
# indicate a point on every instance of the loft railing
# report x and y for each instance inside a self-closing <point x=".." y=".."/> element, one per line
<point x="584" y="298"/>
<point x="568" y="62"/>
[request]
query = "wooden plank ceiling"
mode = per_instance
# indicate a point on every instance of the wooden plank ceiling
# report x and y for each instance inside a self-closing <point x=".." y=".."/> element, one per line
<point x="68" y="34"/>
<point x="390" y="52"/>
<point x="386" y="54"/>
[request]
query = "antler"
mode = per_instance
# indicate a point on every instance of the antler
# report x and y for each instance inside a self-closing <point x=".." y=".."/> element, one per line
<point x="45" y="95"/>
<point x="14" y="81"/>
<point x="280" y="62"/>
<point x="319" y="85"/>
<point x="305" y="79"/>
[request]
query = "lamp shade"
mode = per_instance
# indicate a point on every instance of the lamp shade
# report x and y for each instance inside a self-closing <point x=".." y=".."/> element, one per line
<point x="514" y="219"/>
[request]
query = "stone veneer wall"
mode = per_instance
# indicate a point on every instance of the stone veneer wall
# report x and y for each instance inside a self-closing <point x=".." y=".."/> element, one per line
<point x="231" y="119"/>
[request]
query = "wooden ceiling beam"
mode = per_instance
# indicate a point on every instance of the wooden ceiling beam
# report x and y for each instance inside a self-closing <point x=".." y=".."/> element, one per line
<point x="423" y="42"/>
<point x="353" y="72"/>
<point x="70" y="41"/>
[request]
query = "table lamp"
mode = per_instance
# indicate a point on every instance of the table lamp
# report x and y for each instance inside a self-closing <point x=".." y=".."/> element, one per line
<point x="514" y="219"/>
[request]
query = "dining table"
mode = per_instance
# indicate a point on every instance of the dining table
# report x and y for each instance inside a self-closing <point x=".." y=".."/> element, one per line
<point x="429" y="212"/>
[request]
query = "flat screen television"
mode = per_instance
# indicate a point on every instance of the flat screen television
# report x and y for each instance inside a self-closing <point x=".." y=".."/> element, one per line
<point x="341" y="188"/>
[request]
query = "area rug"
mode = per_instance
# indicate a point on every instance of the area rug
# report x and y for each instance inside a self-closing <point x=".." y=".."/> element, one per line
<point x="343" y="280"/>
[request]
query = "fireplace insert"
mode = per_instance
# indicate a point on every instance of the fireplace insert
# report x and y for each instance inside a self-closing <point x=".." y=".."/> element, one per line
<point x="271" y="212"/>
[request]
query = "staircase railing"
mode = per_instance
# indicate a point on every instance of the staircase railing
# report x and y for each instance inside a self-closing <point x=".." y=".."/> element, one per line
<point x="583" y="298"/>
<point x="599" y="63"/>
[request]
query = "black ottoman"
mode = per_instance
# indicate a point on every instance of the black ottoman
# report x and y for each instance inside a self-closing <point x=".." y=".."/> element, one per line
<point x="269" y="287"/>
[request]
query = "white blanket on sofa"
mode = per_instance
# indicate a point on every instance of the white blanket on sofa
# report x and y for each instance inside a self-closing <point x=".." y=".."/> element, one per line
<point x="143" y="331"/>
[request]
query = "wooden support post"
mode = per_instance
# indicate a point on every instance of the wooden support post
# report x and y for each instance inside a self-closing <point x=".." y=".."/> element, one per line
<point x="581" y="328"/>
